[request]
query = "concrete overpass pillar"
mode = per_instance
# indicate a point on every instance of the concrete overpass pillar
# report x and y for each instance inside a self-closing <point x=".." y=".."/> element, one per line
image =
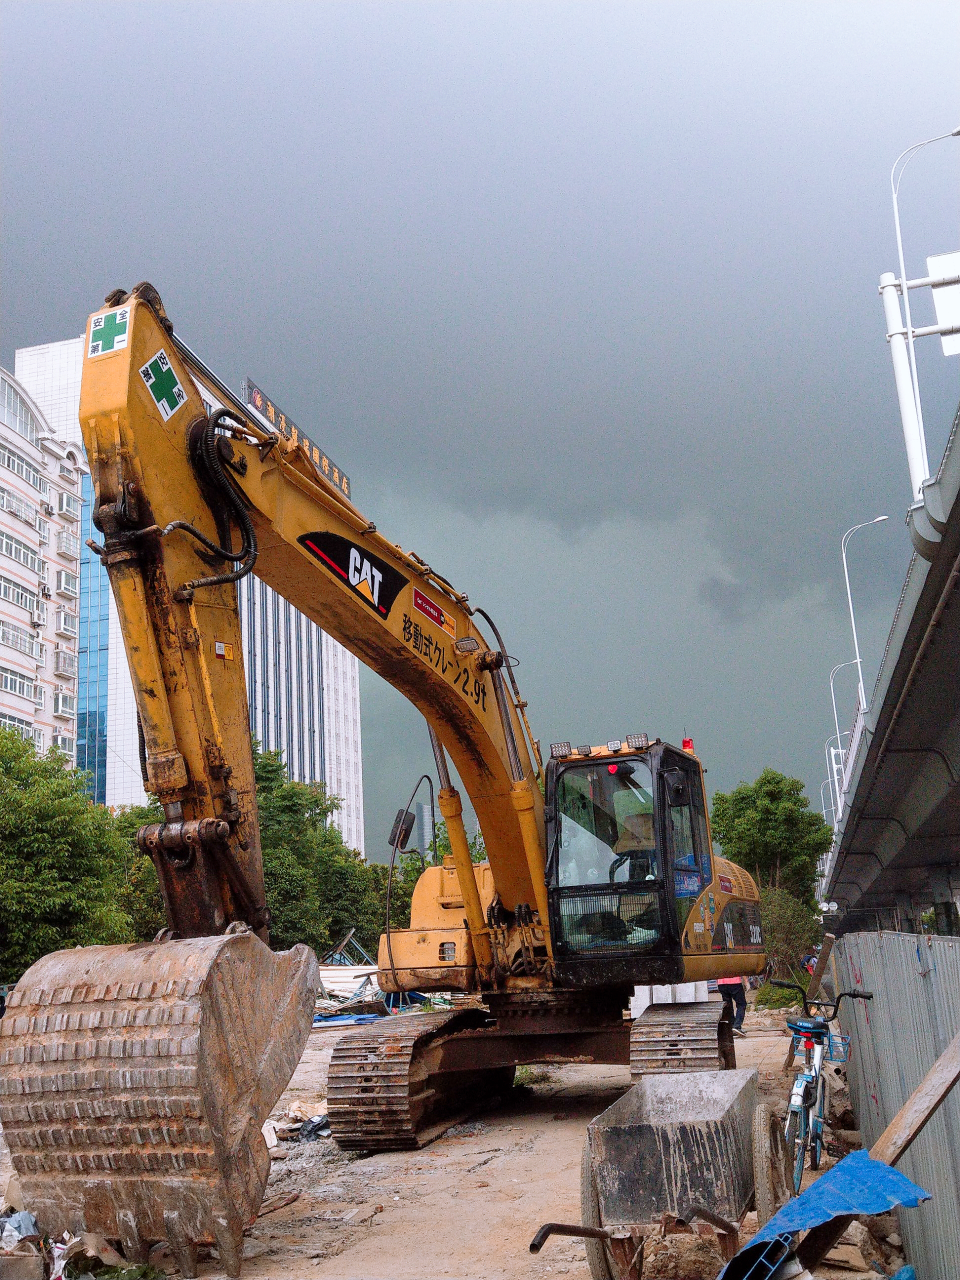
<point x="946" y="915"/>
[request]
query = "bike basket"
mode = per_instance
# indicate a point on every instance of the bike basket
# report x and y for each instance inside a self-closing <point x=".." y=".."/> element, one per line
<point x="838" y="1050"/>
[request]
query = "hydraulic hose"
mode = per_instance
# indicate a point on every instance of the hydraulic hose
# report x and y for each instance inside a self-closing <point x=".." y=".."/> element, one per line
<point x="247" y="555"/>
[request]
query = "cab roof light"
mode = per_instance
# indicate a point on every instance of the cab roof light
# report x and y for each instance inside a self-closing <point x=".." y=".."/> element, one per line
<point x="688" y="745"/>
<point x="637" y="741"/>
<point x="559" y="749"/>
<point x="585" y="751"/>
<point x="614" y="745"/>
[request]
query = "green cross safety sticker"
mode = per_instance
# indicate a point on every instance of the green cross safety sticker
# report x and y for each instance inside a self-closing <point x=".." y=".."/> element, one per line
<point x="109" y="332"/>
<point x="163" y="384"/>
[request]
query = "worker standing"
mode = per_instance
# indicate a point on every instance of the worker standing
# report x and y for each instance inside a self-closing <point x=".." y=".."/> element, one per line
<point x="732" y="989"/>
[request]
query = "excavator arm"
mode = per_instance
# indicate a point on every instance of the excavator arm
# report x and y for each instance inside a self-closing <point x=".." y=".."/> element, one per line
<point x="189" y="501"/>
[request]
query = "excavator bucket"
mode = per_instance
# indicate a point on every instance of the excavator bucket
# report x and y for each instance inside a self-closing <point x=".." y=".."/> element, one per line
<point x="134" y="1081"/>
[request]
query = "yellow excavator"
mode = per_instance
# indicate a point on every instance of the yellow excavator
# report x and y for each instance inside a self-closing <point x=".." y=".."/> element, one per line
<point x="134" y="1080"/>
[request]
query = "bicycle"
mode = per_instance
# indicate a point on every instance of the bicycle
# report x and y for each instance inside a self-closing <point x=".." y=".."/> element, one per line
<point x="805" y="1117"/>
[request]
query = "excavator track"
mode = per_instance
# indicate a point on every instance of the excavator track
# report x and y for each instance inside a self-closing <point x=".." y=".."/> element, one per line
<point x="385" y="1089"/>
<point x="681" y="1037"/>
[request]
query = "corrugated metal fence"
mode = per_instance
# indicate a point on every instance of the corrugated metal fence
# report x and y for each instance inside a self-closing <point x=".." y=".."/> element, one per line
<point x="896" y="1038"/>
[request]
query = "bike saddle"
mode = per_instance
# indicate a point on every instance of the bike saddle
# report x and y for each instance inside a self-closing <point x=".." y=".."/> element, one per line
<point x="808" y="1026"/>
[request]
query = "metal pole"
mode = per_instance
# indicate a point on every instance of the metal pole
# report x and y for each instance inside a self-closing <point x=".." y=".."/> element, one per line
<point x="901" y="162"/>
<point x="834" y="799"/>
<point x="833" y="696"/>
<point x="853" y="622"/>
<point x="836" y="759"/>
<point x="903" y="380"/>
<point x="823" y="807"/>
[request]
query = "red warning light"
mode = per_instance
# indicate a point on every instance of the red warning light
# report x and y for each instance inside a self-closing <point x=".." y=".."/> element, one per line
<point x="688" y="744"/>
<point x="612" y="768"/>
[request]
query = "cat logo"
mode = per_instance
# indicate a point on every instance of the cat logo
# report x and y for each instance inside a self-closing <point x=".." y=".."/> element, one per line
<point x="364" y="576"/>
<point x="372" y="579"/>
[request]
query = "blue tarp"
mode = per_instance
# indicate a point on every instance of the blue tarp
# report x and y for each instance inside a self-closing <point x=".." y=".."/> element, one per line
<point x="856" y="1185"/>
<point x="345" y="1019"/>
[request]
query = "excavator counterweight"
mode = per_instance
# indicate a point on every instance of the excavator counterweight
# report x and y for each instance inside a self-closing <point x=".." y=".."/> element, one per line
<point x="134" y="1080"/>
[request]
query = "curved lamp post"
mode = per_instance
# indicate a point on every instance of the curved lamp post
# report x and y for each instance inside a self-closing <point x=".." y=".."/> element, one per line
<point x="853" y="622"/>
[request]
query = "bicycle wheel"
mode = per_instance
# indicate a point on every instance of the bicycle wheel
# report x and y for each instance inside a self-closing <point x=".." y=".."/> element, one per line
<point x="772" y="1174"/>
<point x="797" y="1135"/>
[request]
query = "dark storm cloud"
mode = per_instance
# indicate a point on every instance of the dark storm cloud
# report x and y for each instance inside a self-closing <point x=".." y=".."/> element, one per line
<point x="568" y="267"/>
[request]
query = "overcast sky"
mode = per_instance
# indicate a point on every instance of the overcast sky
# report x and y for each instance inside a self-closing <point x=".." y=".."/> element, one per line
<point x="582" y="296"/>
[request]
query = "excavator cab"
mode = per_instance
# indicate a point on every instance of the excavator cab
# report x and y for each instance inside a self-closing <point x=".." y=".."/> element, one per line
<point x="627" y="840"/>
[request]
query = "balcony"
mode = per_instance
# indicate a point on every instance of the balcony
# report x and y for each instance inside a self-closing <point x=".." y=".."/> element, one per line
<point x="64" y="663"/>
<point x="67" y="623"/>
<point x="64" y="705"/>
<point x="68" y="584"/>
<point x="69" y="506"/>
<point x="68" y="545"/>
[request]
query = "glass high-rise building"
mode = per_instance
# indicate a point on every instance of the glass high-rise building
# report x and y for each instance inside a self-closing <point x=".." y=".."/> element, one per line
<point x="303" y="687"/>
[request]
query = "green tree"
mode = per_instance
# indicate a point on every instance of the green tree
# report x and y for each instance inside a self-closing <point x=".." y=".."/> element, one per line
<point x="791" y="929"/>
<point x="478" y="850"/>
<point x="61" y="860"/>
<point x="139" y="895"/>
<point x="768" y="827"/>
<point x="316" y="886"/>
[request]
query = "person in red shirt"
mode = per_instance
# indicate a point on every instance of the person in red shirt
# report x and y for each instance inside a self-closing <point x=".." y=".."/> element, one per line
<point x="732" y="989"/>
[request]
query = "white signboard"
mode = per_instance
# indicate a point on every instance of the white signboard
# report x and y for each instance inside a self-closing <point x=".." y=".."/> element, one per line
<point x="946" y="298"/>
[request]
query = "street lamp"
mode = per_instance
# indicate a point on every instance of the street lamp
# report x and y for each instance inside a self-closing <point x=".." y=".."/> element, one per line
<point x="833" y="696"/>
<point x="823" y="806"/>
<point x="831" y="753"/>
<point x="853" y="622"/>
<point x="896" y="173"/>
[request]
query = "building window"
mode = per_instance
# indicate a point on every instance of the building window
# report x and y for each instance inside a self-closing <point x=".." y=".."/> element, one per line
<point x="68" y="584"/>
<point x="64" y="663"/>
<point x="17" y="594"/>
<point x="19" y="551"/>
<point x="19" y="507"/>
<point x="69" y="506"/>
<point x="23" y="727"/>
<point x="21" y="639"/>
<point x="64" y="705"/>
<point x="66" y="623"/>
<point x="68" y="545"/>
<point x="16" y="414"/>
<point x="16" y="682"/>
<point x="63" y="742"/>
<point x="25" y="469"/>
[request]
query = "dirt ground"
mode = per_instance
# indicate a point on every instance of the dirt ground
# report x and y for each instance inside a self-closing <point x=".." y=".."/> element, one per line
<point x="468" y="1204"/>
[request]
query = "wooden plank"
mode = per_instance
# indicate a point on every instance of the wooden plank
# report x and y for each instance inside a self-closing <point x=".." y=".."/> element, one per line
<point x="812" y="988"/>
<point x="920" y="1106"/>
<point x="902" y="1130"/>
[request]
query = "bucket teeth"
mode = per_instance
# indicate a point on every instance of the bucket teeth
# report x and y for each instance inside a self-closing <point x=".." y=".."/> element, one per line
<point x="134" y="1081"/>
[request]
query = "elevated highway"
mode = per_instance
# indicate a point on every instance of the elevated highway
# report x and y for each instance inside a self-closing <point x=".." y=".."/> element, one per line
<point x="896" y="851"/>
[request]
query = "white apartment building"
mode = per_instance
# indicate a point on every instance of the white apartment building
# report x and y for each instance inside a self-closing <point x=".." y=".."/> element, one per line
<point x="303" y="687"/>
<point x="40" y="509"/>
